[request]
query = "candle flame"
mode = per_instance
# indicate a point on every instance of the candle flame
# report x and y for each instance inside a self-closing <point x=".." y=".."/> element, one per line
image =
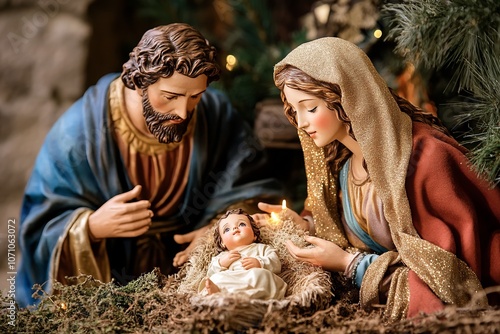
<point x="275" y="219"/>
<point x="283" y="205"/>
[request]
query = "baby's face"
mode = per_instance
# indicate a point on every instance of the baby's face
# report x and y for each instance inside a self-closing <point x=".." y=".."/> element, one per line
<point x="236" y="231"/>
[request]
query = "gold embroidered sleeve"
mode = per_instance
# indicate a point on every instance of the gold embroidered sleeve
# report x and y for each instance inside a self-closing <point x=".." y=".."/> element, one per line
<point x="398" y="296"/>
<point x="76" y="254"/>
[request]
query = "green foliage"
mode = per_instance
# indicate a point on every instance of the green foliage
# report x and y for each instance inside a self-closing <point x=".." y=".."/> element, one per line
<point x="150" y="305"/>
<point x="252" y="40"/>
<point x="249" y="34"/>
<point x="90" y="306"/>
<point x="193" y="12"/>
<point x="464" y="36"/>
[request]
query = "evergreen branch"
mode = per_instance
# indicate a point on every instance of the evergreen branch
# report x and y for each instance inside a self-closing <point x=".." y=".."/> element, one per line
<point x="439" y="33"/>
<point x="486" y="158"/>
<point x="483" y="110"/>
<point x="462" y="35"/>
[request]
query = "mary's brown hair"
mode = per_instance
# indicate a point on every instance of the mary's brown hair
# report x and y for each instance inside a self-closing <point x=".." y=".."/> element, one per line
<point x="336" y="153"/>
<point x="165" y="49"/>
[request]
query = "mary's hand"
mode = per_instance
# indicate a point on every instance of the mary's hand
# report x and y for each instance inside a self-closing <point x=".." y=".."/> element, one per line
<point x="261" y="219"/>
<point x="324" y="253"/>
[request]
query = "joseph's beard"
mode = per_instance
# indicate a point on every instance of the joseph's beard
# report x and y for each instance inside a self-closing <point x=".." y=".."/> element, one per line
<point x="154" y="120"/>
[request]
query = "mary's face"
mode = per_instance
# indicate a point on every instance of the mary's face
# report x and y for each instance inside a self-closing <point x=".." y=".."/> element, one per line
<point x="313" y="116"/>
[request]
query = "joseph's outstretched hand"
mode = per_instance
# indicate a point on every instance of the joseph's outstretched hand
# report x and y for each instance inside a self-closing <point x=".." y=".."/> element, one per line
<point x="120" y="218"/>
<point x="192" y="238"/>
<point x="324" y="253"/>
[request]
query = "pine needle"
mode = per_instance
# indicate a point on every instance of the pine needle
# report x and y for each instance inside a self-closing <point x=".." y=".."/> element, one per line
<point x="462" y="35"/>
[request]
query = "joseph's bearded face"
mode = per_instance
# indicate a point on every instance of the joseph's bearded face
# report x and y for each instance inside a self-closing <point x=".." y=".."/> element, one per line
<point x="165" y="133"/>
<point x="169" y="103"/>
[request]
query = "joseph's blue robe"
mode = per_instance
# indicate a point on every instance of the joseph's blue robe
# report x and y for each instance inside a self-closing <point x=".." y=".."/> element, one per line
<point x="79" y="166"/>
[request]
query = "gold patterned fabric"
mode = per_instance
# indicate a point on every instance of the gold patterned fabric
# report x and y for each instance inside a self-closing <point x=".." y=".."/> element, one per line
<point x="322" y="193"/>
<point x="384" y="134"/>
<point x="76" y="254"/>
<point x="161" y="169"/>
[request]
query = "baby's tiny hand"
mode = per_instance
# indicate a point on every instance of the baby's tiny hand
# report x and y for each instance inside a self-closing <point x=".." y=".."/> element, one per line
<point x="250" y="262"/>
<point x="227" y="259"/>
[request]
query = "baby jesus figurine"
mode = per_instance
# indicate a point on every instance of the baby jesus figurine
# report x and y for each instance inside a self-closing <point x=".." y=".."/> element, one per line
<point x="244" y="263"/>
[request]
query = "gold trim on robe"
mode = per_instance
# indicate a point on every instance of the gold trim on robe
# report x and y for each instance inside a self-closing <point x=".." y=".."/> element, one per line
<point x="76" y="254"/>
<point x="376" y="121"/>
<point x="161" y="169"/>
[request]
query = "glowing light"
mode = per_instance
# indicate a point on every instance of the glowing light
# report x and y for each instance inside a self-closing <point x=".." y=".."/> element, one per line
<point x="275" y="218"/>
<point x="231" y="62"/>
<point x="63" y="306"/>
<point x="377" y="33"/>
<point x="322" y="12"/>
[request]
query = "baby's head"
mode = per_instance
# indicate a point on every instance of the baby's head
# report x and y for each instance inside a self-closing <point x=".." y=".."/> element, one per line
<point x="235" y="228"/>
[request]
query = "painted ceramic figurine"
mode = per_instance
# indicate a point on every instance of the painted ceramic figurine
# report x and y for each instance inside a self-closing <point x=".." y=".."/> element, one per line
<point x="244" y="264"/>
<point x="137" y="168"/>
<point x="392" y="198"/>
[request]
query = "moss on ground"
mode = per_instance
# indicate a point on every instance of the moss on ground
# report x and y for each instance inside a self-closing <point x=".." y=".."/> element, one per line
<point x="150" y="305"/>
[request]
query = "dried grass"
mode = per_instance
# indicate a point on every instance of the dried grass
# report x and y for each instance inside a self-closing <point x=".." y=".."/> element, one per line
<point x="316" y="302"/>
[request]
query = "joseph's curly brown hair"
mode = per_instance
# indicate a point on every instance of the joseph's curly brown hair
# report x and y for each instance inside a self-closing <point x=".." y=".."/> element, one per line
<point x="162" y="50"/>
<point x="253" y="224"/>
